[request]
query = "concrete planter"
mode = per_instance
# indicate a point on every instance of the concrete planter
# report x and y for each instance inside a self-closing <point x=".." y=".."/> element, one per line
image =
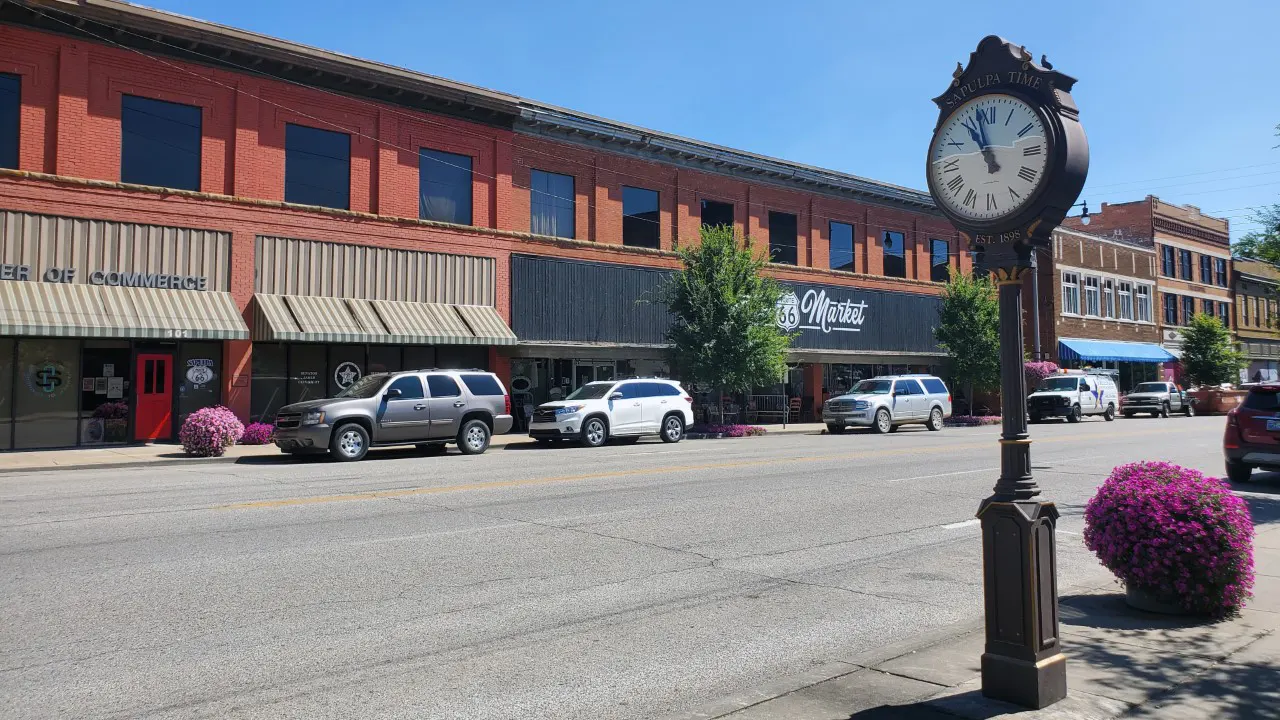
<point x="1140" y="599"/>
<point x="1216" y="401"/>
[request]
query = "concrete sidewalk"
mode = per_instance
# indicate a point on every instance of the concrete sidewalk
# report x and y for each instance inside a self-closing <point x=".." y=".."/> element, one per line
<point x="1120" y="663"/>
<point x="159" y="454"/>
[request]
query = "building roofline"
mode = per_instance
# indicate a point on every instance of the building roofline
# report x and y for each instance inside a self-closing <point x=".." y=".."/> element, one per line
<point x="1132" y="244"/>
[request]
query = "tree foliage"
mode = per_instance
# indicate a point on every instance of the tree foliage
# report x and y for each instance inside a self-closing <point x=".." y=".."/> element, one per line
<point x="1263" y="243"/>
<point x="969" y="330"/>
<point x="724" y="331"/>
<point x="1208" y="356"/>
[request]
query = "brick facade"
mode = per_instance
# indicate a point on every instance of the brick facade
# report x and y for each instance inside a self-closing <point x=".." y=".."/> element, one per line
<point x="1087" y="255"/>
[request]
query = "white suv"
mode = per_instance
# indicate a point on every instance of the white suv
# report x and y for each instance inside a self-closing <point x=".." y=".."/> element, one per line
<point x="625" y="409"/>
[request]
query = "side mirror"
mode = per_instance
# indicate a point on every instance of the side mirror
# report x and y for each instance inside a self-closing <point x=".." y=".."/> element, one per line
<point x="615" y="396"/>
<point x="393" y="393"/>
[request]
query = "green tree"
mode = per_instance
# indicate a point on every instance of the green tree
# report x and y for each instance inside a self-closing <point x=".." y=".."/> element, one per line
<point x="1208" y="356"/>
<point x="725" y="332"/>
<point x="969" y="330"/>
<point x="1263" y="243"/>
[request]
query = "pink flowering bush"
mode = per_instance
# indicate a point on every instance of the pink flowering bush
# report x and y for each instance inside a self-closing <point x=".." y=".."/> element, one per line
<point x="1037" y="371"/>
<point x="114" y="410"/>
<point x="1174" y="533"/>
<point x="208" y="432"/>
<point x="258" y="434"/>
<point x="971" y="420"/>
<point x="733" y="431"/>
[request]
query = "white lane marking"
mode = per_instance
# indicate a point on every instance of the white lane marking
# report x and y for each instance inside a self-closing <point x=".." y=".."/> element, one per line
<point x="955" y="526"/>
<point x="947" y="474"/>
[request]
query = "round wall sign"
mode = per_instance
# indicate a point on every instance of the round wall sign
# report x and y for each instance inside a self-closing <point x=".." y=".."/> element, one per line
<point x="346" y="374"/>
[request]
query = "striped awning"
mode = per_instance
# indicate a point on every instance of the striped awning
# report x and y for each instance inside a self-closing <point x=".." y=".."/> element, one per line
<point x="65" y="310"/>
<point x="299" y="318"/>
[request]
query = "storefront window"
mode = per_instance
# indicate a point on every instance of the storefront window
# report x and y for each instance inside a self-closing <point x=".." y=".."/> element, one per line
<point x="462" y="357"/>
<point x="307" y="373"/>
<point x="104" y="402"/>
<point x="6" y="393"/>
<point x="199" y="377"/>
<point x="267" y="390"/>
<point x="346" y="365"/>
<point x="385" y="358"/>
<point x="419" y="357"/>
<point x="46" y="399"/>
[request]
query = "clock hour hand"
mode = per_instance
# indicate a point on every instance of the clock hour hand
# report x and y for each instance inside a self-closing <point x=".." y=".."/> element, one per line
<point x="987" y="153"/>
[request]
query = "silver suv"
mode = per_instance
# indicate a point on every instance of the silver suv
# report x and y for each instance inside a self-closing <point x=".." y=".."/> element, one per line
<point x="885" y="403"/>
<point x="427" y="408"/>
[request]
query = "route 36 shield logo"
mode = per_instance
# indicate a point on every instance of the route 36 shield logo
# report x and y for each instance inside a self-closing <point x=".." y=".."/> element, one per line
<point x="788" y="311"/>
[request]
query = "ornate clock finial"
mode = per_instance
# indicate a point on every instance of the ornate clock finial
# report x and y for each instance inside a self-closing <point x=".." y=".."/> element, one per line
<point x="1022" y="53"/>
<point x="956" y="75"/>
<point x="1044" y="62"/>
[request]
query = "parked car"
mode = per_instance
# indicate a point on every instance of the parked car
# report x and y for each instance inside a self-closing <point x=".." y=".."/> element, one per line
<point x="1073" y="395"/>
<point x="1157" y="398"/>
<point x="427" y="408"/>
<point x="886" y="403"/>
<point x="625" y="409"/>
<point x="1252" y="436"/>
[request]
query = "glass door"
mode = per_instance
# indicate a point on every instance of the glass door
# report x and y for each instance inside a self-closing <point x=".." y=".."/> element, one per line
<point x="585" y="371"/>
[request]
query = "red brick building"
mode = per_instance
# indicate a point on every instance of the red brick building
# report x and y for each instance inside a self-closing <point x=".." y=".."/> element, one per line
<point x="192" y="214"/>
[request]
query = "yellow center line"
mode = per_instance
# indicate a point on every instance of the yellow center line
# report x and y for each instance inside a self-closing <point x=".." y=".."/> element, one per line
<point x="551" y="480"/>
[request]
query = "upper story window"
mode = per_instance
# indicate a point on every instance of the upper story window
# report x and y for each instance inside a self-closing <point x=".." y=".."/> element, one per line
<point x="1206" y="307"/>
<point x="1224" y="314"/>
<point x="1244" y="310"/>
<point x="1108" y="299"/>
<point x="159" y="143"/>
<point x="1220" y="271"/>
<point x="841" y="246"/>
<point x="1124" y="291"/>
<point x="716" y="214"/>
<point x="1166" y="262"/>
<point x="640" y="221"/>
<point x="782" y="237"/>
<point x="1253" y="308"/>
<point x="895" y="254"/>
<point x="1170" y="309"/>
<point x="1142" y="303"/>
<point x="1091" y="297"/>
<point x="1070" y="293"/>
<point x="1188" y="309"/>
<point x="1184" y="265"/>
<point x="551" y="204"/>
<point x="317" y="167"/>
<point x="444" y="186"/>
<point x="1206" y="270"/>
<point x="10" y="112"/>
<point x="939" y="260"/>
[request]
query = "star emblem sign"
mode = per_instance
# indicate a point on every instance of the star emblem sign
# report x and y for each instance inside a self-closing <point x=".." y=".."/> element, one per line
<point x="347" y="373"/>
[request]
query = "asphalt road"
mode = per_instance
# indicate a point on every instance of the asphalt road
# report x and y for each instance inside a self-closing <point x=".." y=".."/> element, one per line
<point x="622" y="582"/>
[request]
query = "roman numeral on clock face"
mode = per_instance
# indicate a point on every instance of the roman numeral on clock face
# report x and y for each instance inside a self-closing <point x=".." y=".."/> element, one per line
<point x="1027" y="174"/>
<point x="991" y="202"/>
<point x="955" y="184"/>
<point x="971" y="199"/>
<point x="1033" y="150"/>
<point x="1026" y="129"/>
<point x="952" y="165"/>
<point x="1013" y="195"/>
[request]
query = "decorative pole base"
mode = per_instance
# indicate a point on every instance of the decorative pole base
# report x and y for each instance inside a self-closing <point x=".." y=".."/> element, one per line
<point x="1023" y="663"/>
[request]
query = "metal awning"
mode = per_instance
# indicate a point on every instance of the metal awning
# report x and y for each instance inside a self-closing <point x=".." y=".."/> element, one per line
<point x="64" y="310"/>
<point x="1112" y="350"/>
<point x="305" y="318"/>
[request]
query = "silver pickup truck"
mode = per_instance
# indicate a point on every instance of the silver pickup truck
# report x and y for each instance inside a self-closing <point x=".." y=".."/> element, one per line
<point x="427" y="408"/>
<point x="1158" y="398"/>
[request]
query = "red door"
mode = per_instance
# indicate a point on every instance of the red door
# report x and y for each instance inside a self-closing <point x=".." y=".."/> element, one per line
<point x="153" y="419"/>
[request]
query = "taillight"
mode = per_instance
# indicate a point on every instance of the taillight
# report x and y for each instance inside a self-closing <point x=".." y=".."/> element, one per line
<point x="1232" y="421"/>
<point x="506" y="401"/>
<point x="948" y="398"/>
<point x="688" y="399"/>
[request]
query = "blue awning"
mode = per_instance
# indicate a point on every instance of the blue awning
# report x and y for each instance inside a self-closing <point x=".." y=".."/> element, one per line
<point x="1077" y="349"/>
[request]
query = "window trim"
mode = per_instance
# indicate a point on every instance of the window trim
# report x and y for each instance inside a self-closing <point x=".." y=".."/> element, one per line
<point x="657" y="222"/>
<point x="1073" y="299"/>
<point x="933" y="261"/>
<point x="1170" y="307"/>
<point x="550" y="203"/>
<point x="471" y="184"/>
<point x="794" y="245"/>
<point x="199" y="148"/>
<point x="1095" y="283"/>
<point x="285" y="178"/>
<point x="1142" y="295"/>
<point x="1124" y="300"/>
<point x="853" y="244"/>
<point x="901" y="254"/>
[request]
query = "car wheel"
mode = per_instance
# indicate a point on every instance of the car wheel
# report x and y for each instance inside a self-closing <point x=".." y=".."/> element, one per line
<point x="835" y="429"/>
<point x="1074" y="415"/>
<point x="672" y="429"/>
<point x="350" y="442"/>
<point x="935" y="420"/>
<point x="1110" y="413"/>
<point x="594" y="432"/>
<point x="1164" y="410"/>
<point x="432" y="448"/>
<point x="883" y="422"/>
<point x="1239" y="472"/>
<point x="1189" y="410"/>
<point x="473" y="438"/>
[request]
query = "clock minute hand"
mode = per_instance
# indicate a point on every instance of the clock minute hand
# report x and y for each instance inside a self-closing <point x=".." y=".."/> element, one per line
<point x="988" y="154"/>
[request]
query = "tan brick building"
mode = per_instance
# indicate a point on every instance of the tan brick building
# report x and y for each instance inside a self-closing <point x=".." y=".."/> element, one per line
<point x="1257" y="317"/>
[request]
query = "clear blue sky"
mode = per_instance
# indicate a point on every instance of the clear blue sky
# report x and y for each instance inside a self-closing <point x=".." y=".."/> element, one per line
<point x="1166" y="88"/>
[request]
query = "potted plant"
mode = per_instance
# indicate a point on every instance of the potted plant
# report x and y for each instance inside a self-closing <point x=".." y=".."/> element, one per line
<point x="115" y="420"/>
<point x="1178" y="540"/>
<point x="208" y="432"/>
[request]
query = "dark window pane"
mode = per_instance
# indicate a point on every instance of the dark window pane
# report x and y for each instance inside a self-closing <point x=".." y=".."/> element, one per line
<point x="442" y="386"/>
<point x="1166" y="261"/>
<point x="1170" y="309"/>
<point x="782" y="238"/>
<point x="267" y="389"/>
<point x="199" y="377"/>
<point x="1206" y="269"/>
<point x="841" y="246"/>
<point x="307" y="373"/>
<point x="1188" y="309"/>
<point x="162" y="374"/>
<point x="935" y="386"/>
<point x="716" y="214"/>
<point x="462" y="357"/>
<point x="1224" y="314"/>
<point x="10" y="112"/>
<point x="410" y="387"/>
<point x="940" y="260"/>
<point x="444" y="186"/>
<point x="419" y="357"/>
<point x="317" y="167"/>
<point x="482" y="385"/>
<point x="46" y="393"/>
<point x="631" y="391"/>
<point x="1206" y="306"/>
<point x="895" y="254"/>
<point x="1262" y="400"/>
<point x="551" y="204"/>
<point x="1184" y="261"/>
<point x="385" y="358"/>
<point x="640" y="217"/>
<point x="159" y="143"/>
<point x="6" y="384"/>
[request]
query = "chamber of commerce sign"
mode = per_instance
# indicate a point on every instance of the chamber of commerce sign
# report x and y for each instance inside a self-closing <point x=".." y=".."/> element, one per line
<point x="831" y="317"/>
<point x="108" y="277"/>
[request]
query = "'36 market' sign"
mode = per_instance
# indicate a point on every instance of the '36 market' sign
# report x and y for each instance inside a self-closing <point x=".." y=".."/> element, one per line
<point x="817" y="311"/>
<point x="831" y="317"/>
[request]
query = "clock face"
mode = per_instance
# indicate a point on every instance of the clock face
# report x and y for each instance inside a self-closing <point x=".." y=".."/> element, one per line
<point x="989" y="158"/>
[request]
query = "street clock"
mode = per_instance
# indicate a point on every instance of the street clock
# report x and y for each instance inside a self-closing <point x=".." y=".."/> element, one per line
<point x="1008" y="157"/>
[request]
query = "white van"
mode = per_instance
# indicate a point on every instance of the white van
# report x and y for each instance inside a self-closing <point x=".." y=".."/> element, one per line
<point x="1073" y="394"/>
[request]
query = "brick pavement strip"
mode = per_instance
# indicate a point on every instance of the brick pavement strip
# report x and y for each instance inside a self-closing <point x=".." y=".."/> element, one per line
<point x="1121" y="663"/>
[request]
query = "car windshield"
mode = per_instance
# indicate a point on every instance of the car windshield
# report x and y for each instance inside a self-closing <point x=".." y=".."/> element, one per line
<point x="1151" y="387"/>
<point x="365" y="387"/>
<point x="872" y="387"/>
<point x="1051" y="384"/>
<point x="591" y="391"/>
